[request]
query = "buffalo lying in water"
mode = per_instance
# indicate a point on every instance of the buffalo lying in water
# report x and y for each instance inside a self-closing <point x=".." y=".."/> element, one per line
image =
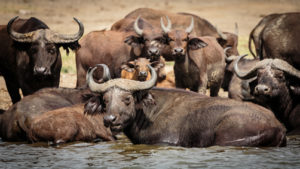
<point x="55" y="115"/>
<point x="274" y="85"/>
<point x="182" y="118"/>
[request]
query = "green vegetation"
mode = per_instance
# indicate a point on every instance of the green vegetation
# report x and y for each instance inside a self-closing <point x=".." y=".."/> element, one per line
<point x="68" y="62"/>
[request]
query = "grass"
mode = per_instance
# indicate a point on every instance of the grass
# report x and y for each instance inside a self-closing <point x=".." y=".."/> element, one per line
<point x="69" y="65"/>
<point x="68" y="62"/>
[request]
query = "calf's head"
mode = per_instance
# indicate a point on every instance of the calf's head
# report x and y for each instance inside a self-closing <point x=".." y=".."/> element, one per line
<point x="119" y="98"/>
<point x="139" y="68"/>
<point x="273" y="78"/>
<point x="42" y="46"/>
<point x="179" y="41"/>
<point x="147" y="41"/>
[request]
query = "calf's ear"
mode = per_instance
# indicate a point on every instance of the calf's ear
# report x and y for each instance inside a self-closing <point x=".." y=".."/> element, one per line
<point x="129" y="66"/>
<point x="196" y="43"/>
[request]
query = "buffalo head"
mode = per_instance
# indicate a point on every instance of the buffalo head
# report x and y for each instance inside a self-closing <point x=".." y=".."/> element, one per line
<point x="179" y="41"/>
<point x="42" y="45"/>
<point x="274" y="78"/>
<point x="147" y="41"/>
<point x="118" y="97"/>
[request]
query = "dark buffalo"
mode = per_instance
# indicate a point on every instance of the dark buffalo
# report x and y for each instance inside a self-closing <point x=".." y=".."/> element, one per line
<point x="180" y="21"/>
<point x="279" y="39"/>
<point x="242" y="89"/>
<point x="30" y="57"/>
<point x="50" y="115"/>
<point x="182" y="118"/>
<point x="277" y="83"/>
<point x="199" y="61"/>
<point x="108" y="47"/>
<point x="255" y="33"/>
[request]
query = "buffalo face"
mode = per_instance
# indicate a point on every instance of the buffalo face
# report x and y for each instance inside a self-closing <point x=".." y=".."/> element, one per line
<point x="43" y="55"/>
<point x="42" y="46"/>
<point x="148" y="41"/>
<point x="118" y="101"/>
<point x="273" y="78"/>
<point x="120" y="108"/>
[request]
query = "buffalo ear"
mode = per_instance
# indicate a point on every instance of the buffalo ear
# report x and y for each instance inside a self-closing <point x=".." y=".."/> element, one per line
<point x="94" y="104"/>
<point x="132" y="40"/>
<point x="196" y="43"/>
<point x="129" y="66"/>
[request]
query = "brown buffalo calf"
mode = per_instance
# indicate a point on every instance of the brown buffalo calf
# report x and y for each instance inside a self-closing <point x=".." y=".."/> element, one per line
<point x="199" y="61"/>
<point x="138" y="69"/>
<point x="68" y="124"/>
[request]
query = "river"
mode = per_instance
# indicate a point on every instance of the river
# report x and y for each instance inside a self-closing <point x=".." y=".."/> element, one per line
<point x="123" y="154"/>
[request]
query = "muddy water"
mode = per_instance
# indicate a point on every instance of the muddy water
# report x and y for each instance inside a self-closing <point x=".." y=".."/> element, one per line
<point x="123" y="154"/>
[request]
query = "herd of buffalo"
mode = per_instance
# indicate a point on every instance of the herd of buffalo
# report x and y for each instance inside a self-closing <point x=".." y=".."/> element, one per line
<point x="118" y="69"/>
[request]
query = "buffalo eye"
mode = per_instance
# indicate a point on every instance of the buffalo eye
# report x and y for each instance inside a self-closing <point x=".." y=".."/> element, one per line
<point x="280" y="76"/>
<point x="127" y="100"/>
<point x="33" y="50"/>
<point x="51" y="51"/>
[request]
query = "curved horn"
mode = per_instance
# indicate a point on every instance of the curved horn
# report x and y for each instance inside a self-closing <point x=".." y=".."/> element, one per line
<point x="191" y="27"/>
<point x="163" y="27"/>
<point x="19" y="37"/>
<point x="236" y="29"/>
<point x="61" y="38"/>
<point x="222" y="35"/>
<point x="252" y="71"/>
<point x="126" y="84"/>
<point x="286" y="67"/>
<point x="105" y="76"/>
<point x="136" y="27"/>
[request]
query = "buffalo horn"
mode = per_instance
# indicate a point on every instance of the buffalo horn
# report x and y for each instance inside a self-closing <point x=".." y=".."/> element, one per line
<point x="125" y="84"/>
<point x="136" y="27"/>
<point x="164" y="28"/>
<point x="222" y="35"/>
<point x="252" y="71"/>
<point x="236" y="31"/>
<point x="61" y="38"/>
<point x="191" y="27"/>
<point x="286" y="67"/>
<point x="19" y="37"/>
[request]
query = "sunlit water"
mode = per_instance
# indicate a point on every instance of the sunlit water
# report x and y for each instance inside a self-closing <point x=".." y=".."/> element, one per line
<point x="123" y="154"/>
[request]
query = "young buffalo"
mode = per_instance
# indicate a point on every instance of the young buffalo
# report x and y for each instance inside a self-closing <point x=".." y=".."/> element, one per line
<point x="199" y="61"/>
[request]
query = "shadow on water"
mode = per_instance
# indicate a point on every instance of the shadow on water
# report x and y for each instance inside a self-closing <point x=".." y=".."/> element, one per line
<point x="123" y="154"/>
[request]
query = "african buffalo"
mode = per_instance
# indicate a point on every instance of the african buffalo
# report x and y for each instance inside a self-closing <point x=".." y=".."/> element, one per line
<point x="276" y="81"/>
<point x="182" y="118"/>
<point x="180" y="21"/>
<point x="199" y="61"/>
<point x="255" y="33"/>
<point x="138" y="69"/>
<point x="242" y="89"/>
<point x="108" y="47"/>
<point x="68" y="124"/>
<point x="279" y="39"/>
<point x="30" y="57"/>
<point x="54" y="115"/>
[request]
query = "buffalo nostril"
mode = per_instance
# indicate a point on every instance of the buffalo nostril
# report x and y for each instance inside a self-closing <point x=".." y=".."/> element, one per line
<point x="143" y="73"/>
<point x="262" y="89"/>
<point x="153" y="51"/>
<point x="109" y="119"/>
<point x="40" y="70"/>
<point x="178" y="50"/>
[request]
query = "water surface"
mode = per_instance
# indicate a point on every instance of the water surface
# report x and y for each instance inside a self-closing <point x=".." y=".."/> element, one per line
<point x="123" y="154"/>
